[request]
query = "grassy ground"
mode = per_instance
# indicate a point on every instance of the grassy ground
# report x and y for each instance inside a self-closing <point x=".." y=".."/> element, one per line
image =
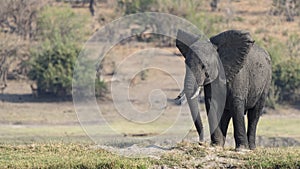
<point x="269" y="126"/>
<point x="67" y="146"/>
<point x="184" y="155"/>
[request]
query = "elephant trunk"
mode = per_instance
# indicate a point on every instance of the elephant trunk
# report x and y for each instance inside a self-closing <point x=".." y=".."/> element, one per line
<point x="191" y="89"/>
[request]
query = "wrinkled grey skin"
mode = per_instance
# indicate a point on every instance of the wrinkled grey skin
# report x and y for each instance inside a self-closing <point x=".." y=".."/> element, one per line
<point x="248" y="76"/>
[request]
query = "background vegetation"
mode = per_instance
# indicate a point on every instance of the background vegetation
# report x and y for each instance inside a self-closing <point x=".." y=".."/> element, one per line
<point x="285" y="55"/>
<point x="52" y="61"/>
<point x="50" y="34"/>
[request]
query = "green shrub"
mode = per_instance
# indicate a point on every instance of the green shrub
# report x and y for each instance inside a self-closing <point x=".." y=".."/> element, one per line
<point x="100" y="88"/>
<point x="275" y="48"/>
<point x="293" y="45"/>
<point x="207" y="23"/>
<point x="85" y="83"/>
<point x="52" y="68"/>
<point x="286" y="77"/>
<point x="285" y="71"/>
<point x="135" y="6"/>
<point x="272" y="98"/>
<point x="180" y="8"/>
<point x="61" y="23"/>
<point x="53" y="60"/>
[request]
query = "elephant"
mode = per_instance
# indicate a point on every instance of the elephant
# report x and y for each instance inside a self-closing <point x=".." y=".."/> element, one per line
<point x="233" y="64"/>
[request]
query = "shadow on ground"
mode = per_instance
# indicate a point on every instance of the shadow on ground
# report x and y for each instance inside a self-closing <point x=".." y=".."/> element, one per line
<point x="29" y="98"/>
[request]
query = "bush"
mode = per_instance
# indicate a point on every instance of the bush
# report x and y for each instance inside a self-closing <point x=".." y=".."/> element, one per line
<point x="293" y="45"/>
<point x="207" y="23"/>
<point x="286" y="77"/>
<point x="276" y="49"/>
<point x="285" y="72"/>
<point x="180" y="8"/>
<point x="53" y="61"/>
<point x="100" y="88"/>
<point x="52" y="68"/>
<point x="135" y="6"/>
<point x="60" y="23"/>
<point x="272" y="98"/>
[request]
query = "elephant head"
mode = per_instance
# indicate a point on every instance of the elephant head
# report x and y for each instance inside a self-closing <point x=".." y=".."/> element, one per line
<point x="203" y="57"/>
<point x="211" y="61"/>
<point x="201" y="61"/>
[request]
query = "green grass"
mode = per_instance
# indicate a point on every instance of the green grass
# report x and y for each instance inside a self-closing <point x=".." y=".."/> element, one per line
<point x="185" y="155"/>
<point x="64" y="156"/>
<point x="268" y="157"/>
<point x="274" y="158"/>
<point x="279" y="127"/>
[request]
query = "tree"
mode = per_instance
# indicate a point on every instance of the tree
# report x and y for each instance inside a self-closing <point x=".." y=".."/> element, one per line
<point x="17" y="31"/>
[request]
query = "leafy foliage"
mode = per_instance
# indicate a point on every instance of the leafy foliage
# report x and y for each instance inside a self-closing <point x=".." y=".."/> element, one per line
<point x="60" y="23"/>
<point x="53" y="61"/>
<point x="135" y="6"/>
<point x="207" y="23"/>
<point x="52" y="68"/>
<point x="100" y="88"/>
<point x="293" y="45"/>
<point x="286" y="77"/>
<point x="285" y="72"/>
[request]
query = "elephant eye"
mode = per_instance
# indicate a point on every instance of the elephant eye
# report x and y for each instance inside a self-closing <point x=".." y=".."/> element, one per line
<point x="203" y="67"/>
<point x="207" y="75"/>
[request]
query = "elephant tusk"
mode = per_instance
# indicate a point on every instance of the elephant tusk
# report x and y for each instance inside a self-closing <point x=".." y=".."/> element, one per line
<point x="196" y="93"/>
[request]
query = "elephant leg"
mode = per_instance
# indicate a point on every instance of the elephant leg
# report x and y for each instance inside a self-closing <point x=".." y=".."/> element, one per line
<point x="215" y="131"/>
<point x="199" y="127"/>
<point x="196" y="118"/>
<point x="190" y="87"/>
<point x="253" y="117"/>
<point x="226" y="116"/>
<point x="193" y="104"/>
<point x="240" y="136"/>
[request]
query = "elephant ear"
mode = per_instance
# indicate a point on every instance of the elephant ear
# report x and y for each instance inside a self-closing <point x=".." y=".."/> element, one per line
<point x="233" y="47"/>
<point x="208" y="56"/>
<point x="184" y="40"/>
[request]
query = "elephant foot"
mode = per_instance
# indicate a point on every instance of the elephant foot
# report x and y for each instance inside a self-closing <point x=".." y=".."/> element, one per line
<point x="252" y="147"/>
<point x="203" y="143"/>
<point x="217" y="145"/>
<point x="242" y="148"/>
